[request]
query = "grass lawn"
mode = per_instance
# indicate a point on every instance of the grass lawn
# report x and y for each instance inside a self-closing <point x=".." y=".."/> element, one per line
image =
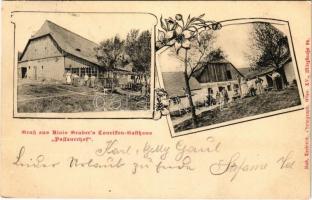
<point x="270" y="101"/>
<point x="60" y="98"/>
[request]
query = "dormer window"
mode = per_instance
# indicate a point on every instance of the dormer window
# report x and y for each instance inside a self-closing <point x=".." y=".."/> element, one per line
<point x="78" y="49"/>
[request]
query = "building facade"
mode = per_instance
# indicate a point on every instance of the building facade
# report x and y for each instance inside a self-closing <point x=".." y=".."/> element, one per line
<point x="53" y="51"/>
<point x="218" y="75"/>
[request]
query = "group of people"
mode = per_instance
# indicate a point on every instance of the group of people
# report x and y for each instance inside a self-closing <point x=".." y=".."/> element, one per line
<point x="222" y="98"/>
<point x="252" y="87"/>
<point x="74" y="79"/>
<point x="248" y="87"/>
<point x="255" y="86"/>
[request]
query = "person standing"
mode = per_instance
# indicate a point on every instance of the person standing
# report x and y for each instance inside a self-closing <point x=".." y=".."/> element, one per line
<point x="92" y="81"/>
<point x="218" y="97"/>
<point x="244" y="87"/>
<point x="68" y="77"/>
<point x="209" y="98"/>
<point x="86" y="79"/>
<point x="75" y="78"/>
<point x="276" y="77"/>
<point x="225" y="96"/>
<point x="221" y="100"/>
<point x="251" y="88"/>
<point x="259" y="85"/>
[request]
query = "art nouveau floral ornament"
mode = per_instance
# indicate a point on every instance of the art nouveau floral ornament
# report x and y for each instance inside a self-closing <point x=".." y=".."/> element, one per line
<point x="162" y="103"/>
<point x="182" y="34"/>
<point x="179" y="33"/>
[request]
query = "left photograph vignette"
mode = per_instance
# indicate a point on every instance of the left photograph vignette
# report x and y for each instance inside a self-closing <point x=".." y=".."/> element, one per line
<point x="83" y="65"/>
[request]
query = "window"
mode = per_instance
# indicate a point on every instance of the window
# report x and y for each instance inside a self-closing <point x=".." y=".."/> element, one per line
<point x="91" y="71"/>
<point x="42" y="67"/>
<point x="235" y="86"/>
<point x="78" y="49"/>
<point x="228" y="75"/>
<point x="229" y="88"/>
<point x="75" y="71"/>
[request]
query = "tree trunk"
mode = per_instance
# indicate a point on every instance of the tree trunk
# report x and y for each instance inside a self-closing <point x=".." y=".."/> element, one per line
<point x="283" y="76"/>
<point x="280" y="70"/>
<point x="146" y="85"/>
<point x="188" y="93"/>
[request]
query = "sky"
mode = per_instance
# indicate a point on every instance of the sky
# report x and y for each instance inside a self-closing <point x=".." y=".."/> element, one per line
<point x="233" y="39"/>
<point x="93" y="26"/>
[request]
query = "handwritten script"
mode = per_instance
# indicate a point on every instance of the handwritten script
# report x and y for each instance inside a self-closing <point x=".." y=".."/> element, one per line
<point x="156" y="158"/>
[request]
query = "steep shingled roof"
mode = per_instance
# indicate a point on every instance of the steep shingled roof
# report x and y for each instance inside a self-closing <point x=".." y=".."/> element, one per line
<point x="175" y="82"/>
<point x="220" y="61"/>
<point x="69" y="42"/>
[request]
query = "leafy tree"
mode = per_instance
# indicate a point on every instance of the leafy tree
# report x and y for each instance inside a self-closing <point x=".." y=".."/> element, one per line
<point x="138" y="47"/>
<point x="269" y="48"/>
<point x="110" y="53"/>
<point x="192" y="40"/>
<point x="215" y="55"/>
<point x="135" y="49"/>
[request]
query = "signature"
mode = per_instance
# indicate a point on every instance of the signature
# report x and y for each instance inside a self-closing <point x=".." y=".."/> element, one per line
<point x="234" y="165"/>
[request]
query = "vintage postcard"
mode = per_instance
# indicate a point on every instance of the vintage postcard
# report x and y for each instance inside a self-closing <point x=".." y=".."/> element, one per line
<point x="155" y="99"/>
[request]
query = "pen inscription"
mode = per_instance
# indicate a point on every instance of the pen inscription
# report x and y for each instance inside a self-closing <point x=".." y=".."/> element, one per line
<point x="182" y="156"/>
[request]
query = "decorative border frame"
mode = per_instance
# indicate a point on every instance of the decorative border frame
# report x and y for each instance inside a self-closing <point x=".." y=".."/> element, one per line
<point x="246" y="119"/>
<point x="141" y="114"/>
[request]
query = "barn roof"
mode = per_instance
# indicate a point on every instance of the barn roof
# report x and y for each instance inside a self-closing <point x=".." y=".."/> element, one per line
<point x="175" y="82"/>
<point x="262" y="71"/>
<point x="68" y="41"/>
<point x="219" y="61"/>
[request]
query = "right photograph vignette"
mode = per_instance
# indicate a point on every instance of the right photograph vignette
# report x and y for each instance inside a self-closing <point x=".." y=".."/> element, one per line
<point x="215" y="74"/>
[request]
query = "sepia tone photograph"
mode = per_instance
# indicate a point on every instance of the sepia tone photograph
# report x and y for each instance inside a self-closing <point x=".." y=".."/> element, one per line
<point x="84" y="63"/>
<point x="218" y="72"/>
<point x="229" y="101"/>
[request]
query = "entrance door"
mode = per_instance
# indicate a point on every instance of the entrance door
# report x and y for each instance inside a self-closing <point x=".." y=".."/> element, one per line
<point x="270" y="81"/>
<point x="24" y="72"/>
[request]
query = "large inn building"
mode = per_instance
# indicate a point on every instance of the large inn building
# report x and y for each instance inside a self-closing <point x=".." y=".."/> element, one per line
<point x="54" y="50"/>
<point x="213" y="76"/>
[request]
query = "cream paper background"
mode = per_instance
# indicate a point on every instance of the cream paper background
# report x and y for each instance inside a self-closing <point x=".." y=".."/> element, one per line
<point x="259" y="141"/>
